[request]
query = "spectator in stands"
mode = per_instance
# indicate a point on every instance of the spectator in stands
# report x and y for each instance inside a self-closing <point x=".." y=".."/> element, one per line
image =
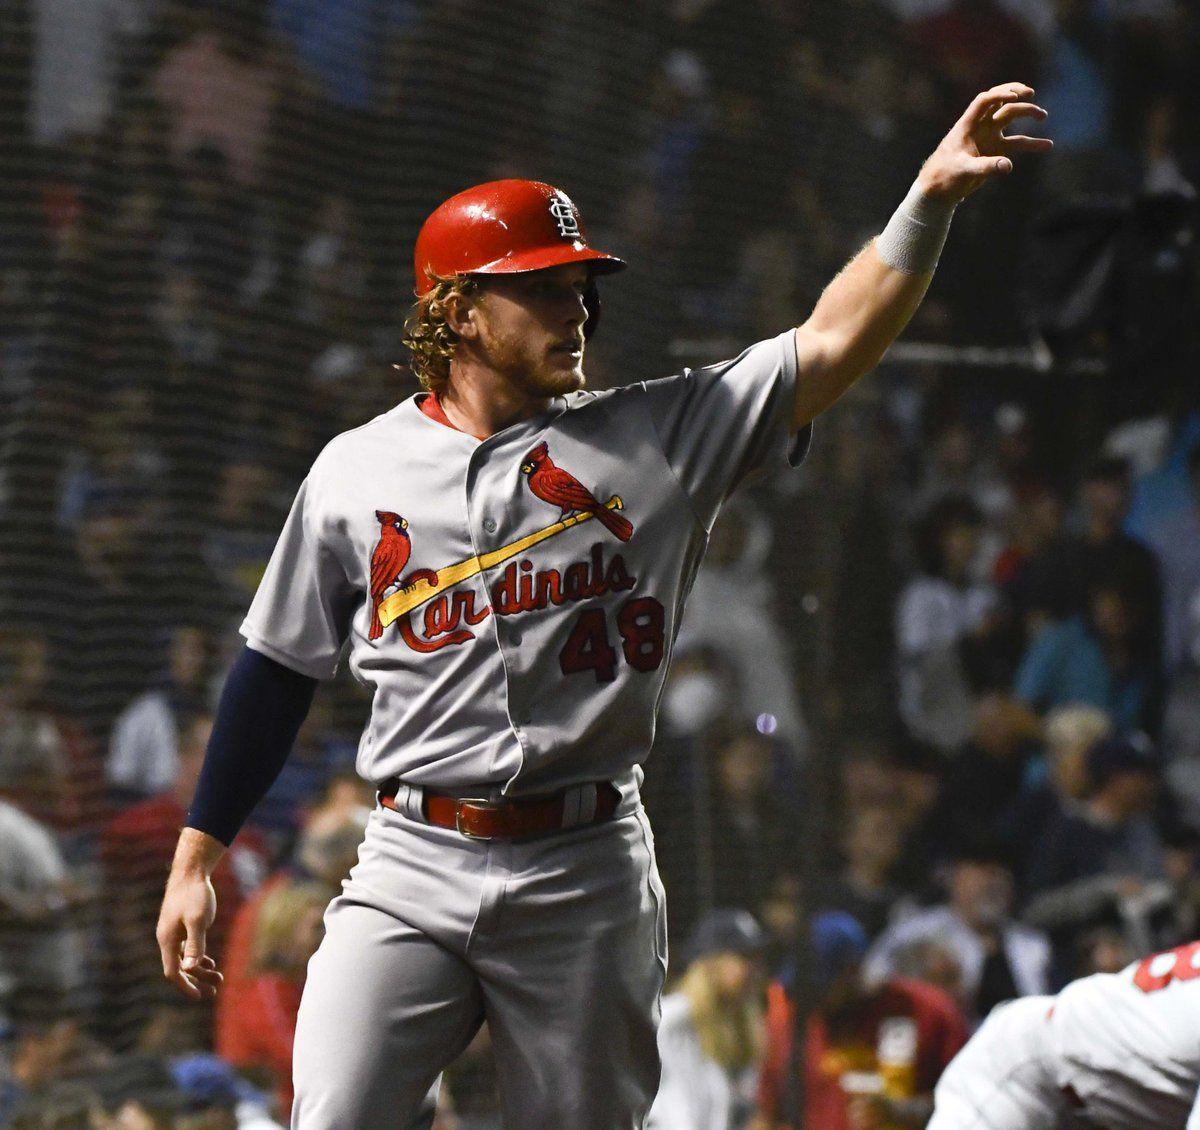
<point x="999" y="958"/>
<point x="116" y="648"/>
<point x="1175" y="538"/>
<point x="1104" y="949"/>
<point x="874" y="1052"/>
<point x="935" y="963"/>
<point x="325" y="851"/>
<point x="735" y="601"/>
<point x="751" y="819"/>
<point x="119" y="458"/>
<point x="1102" y="860"/>
<point x="1098" y="658"/>
<point x="712" y="1034"/>
<point x="1033" y="528"/>
<point x="259" y="1022"/>
<point x="221" y="63"/>
<point x="971" y="41"/>
<point x="62" y="1106"/>
<point x="866" y="887"/>
<point x="209" y="226"/>
<point x="138" y="1092"/>
<point x="239" y="540"/>
<point x="41" y="741"/>
<point x="983" y="781"/>
<point x="951" y="467"/>
<point x="938" y="612"/>
<point x="177" y="1034"/>
<point x="1079" y="97"/>
<point x="45" y="1053"/>
<point x="1061" y="577"/>
<point x="135" y="850"/>
<point x="1056" y="783"/>
<point x="143" y="752"/>
<point x="41" y="951"/>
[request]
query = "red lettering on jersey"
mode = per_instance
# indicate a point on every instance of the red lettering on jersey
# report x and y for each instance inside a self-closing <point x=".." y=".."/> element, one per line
<point x="1185" y="967"/>
<point x="466" y="600"/>
<point x="575" y="586"/>
<point x="525" y="601"/>
<point x="504" y="592"/>
<point x="549" y="589"/>
<point x="436" y="615"/>
<point x="618" y="577"/>
<point x="520" y="589"/>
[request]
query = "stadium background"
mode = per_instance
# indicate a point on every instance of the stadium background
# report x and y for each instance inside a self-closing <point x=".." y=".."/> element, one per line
<point x="894" y="661"/>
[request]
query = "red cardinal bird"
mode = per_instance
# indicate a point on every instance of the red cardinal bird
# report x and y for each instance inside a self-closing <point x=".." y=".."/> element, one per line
<point x="387" y="562"/>
<point x="562" y="489"/>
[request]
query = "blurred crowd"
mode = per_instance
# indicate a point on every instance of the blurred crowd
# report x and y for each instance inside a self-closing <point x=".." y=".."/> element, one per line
<point x="931" y="738"/>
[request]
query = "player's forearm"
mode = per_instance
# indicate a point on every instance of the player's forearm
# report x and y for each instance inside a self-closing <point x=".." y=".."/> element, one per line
<point x="862" y="311"/>
<point x="262" y="707"/>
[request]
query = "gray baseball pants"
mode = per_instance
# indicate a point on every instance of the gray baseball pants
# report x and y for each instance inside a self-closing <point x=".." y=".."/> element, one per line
<point x="559" y="943"/>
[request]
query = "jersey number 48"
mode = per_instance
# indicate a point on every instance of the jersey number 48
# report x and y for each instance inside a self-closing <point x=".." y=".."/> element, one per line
<point x="588" y="648"/>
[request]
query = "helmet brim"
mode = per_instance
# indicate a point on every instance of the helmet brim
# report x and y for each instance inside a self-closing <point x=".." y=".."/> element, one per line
<point x="540" y="258"/>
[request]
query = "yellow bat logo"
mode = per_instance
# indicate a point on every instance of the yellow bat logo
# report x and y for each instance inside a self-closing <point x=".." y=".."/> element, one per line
<point x="404" y="600"/>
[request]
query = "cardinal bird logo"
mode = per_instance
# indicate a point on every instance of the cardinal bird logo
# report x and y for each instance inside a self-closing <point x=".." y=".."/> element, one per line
<point x="562" y="489"/>
<point x="387" y="562"/>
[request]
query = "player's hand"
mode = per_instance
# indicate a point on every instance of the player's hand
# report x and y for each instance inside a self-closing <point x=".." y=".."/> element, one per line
<point x="188" y="909"/>
<point x="977" y="148"/>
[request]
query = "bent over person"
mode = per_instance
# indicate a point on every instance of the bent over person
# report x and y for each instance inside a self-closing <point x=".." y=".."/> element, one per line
<point x="1113" y="1051"/>
<point x="507" y="556"/>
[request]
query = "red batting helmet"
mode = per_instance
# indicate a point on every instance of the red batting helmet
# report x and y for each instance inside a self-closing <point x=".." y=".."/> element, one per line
<point x="504" y="227"/>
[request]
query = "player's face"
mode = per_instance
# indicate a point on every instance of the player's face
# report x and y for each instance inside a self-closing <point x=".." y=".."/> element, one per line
<point x="530" y="328"/>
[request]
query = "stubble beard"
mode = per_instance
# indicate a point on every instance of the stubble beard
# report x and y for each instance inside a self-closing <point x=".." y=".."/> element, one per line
<point x="533" y="375"/>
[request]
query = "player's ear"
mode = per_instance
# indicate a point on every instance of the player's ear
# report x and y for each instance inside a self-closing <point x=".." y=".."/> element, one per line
<point x="461" y="314"/>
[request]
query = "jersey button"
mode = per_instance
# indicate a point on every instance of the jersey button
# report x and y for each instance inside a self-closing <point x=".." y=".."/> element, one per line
<point x="489" y="524"/>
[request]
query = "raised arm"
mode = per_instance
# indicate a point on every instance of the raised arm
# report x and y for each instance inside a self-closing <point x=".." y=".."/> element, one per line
<point x="865" y="308"/>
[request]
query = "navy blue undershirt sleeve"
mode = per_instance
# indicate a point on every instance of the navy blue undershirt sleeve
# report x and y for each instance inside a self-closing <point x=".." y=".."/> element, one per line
<point x="261" y="710"/>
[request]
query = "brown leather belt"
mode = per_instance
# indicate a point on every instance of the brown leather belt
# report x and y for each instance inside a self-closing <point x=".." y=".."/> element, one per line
<point x="479" y="818"/>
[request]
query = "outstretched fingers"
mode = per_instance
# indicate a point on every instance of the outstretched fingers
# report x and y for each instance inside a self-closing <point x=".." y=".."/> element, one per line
<point x="1009" y="111"/>
<point x="983" y="104"/>
<point x="1020" y="143"/>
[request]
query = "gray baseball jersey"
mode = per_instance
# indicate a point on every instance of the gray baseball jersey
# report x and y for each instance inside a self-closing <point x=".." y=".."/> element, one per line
<point x="513" y="601"/>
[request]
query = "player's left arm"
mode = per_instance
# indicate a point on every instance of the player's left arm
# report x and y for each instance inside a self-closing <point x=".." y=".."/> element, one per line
<point x="865" y="308"/>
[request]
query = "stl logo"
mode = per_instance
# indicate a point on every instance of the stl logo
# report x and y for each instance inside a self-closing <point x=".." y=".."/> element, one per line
<point x="560" y="488"/>
<point x="564" y="215"/>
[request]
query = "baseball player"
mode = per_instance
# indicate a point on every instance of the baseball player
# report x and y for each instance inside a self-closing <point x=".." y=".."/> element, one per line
<point x="506" y="556"/>
<point x="1117" y="1051"/>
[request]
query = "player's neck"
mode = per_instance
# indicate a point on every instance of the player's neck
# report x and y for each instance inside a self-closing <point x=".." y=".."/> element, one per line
<point x="482" y="402"/>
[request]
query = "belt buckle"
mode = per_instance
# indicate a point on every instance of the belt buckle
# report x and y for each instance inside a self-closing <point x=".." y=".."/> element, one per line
<point x="475" y="802"/>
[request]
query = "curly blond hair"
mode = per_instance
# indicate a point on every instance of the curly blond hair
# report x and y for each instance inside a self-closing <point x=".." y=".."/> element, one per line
<point x="430" y="341"/>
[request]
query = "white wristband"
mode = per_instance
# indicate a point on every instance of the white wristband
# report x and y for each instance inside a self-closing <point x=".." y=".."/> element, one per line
<point x="913" y="239"/>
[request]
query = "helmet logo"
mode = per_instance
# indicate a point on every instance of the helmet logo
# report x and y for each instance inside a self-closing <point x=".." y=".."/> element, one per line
<point x="564" y="215"/>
